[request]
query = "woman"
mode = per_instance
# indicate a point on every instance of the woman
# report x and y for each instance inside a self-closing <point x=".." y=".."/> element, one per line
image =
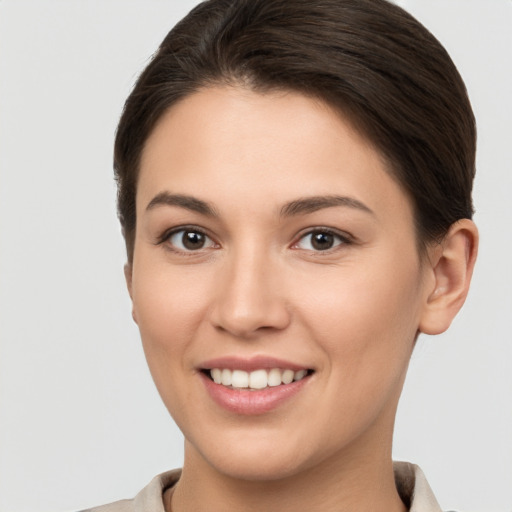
<point x="295" y="194"/>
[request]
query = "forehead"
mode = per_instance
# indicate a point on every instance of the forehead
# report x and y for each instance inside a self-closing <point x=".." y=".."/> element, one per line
<point x="227" y="143"/>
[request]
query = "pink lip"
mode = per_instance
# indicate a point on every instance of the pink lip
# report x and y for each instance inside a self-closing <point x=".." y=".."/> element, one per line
<point x="249" y="365"/>
<point x="246" y="401"/>
<point x="252" y="402"/>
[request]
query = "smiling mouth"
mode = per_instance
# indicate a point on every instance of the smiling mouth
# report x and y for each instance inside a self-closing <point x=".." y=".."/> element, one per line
<point x="257" y="379"/>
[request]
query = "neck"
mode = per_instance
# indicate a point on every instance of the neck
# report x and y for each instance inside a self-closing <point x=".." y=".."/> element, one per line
<point x="355" y="480"/>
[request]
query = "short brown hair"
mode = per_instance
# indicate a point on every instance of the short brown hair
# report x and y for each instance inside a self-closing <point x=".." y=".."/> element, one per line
<point x="369" y="59"/>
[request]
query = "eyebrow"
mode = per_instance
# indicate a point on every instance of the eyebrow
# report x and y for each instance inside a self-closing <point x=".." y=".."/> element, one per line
<point x="188" y="202"/>
<point x="312" y="204"/>
<point x="300" y="206"/>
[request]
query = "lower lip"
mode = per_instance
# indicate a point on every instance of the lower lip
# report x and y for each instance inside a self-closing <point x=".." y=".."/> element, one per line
<point x="252" y="402"/>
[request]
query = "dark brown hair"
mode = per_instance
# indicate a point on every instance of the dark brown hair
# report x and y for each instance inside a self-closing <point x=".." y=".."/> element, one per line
<point x="369" y="59"/>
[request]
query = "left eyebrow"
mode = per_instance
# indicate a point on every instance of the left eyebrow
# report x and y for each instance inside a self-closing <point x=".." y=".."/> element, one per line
<point x="312" y="204"/>
<point x="182" y="201"/>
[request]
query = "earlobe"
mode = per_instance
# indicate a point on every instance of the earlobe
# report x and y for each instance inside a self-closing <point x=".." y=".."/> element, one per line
<point x="128" y="277"/>
<point x="452" y="264"/>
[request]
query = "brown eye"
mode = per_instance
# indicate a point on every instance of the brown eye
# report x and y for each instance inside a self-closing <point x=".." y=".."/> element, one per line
<point x="320" y="240"/>
<point x="190" y="240"/>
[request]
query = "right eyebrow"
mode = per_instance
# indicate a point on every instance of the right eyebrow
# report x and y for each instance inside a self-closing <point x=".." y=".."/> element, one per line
<point x="306" y="205"/>
<point x="183" y="201"/>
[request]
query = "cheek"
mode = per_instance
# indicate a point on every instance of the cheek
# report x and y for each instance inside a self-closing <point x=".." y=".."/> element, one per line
<point x="365" y="326"/>
<point x="366" y="322"/>
<point x="169" y="306"/>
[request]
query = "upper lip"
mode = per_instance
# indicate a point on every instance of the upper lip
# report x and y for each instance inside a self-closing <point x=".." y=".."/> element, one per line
<point x="251" y="364"/>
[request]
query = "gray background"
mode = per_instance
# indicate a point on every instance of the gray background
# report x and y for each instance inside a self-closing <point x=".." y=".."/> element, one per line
<point x="80" y="421"/>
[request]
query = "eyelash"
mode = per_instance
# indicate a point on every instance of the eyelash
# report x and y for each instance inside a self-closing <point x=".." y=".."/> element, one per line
<point x="167" y="235"/>
<point x="343" y="239"/>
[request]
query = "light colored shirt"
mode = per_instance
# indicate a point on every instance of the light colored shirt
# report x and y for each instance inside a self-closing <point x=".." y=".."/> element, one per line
<point x="410" y="482"/>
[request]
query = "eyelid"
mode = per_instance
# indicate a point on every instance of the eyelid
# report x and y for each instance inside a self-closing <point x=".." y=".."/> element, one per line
<point x="168" y="233"/>
<point x="343" y="236"/>
<point x="346" y="238"/>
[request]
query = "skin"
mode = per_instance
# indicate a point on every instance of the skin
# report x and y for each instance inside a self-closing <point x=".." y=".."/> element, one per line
<point x="259" y="287"/>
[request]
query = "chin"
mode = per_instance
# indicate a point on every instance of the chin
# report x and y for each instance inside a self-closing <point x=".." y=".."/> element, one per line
<point x="258" y="457"/>
<point x="253" y="467"/>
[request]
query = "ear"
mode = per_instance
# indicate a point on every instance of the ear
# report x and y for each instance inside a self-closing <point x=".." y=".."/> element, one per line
<point x="128" y="273"/>
<point x="451" y="266"/>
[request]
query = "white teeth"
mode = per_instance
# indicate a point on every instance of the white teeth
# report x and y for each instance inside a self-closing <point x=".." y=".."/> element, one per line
<point x="226" y="378"/>
<point x="300" y="374"/>
<point x="239" y="379"/>
<point x="258" y="379"/>
<point x="287" y="376"/>
<point x="274" y="377"/>
<point x="216" y="375"/>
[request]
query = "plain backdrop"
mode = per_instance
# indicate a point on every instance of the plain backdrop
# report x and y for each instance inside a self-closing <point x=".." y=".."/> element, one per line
<point x="80" y="420"/>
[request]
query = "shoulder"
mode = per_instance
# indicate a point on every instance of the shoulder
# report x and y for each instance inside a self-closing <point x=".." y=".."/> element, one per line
<point x="149" y="498"/>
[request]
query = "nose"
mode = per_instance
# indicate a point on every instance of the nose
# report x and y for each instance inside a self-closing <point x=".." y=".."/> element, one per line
<point x="250" y="297"/>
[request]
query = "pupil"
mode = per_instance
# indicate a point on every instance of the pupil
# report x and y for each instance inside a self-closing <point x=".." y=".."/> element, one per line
<point x="322" y="241"/>
<point x="193" y="240"/>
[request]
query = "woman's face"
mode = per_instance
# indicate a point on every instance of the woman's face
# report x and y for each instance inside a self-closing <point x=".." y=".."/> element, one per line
<point x="272" y="244"/>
